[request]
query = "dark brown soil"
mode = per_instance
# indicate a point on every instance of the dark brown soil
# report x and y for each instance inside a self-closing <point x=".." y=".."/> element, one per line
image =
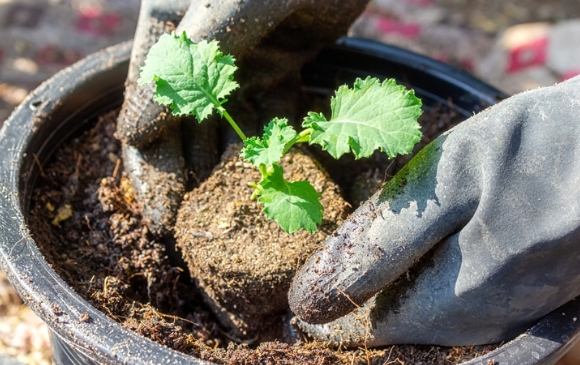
<point x="243" y="263"/>
<point x="89" y="228"/>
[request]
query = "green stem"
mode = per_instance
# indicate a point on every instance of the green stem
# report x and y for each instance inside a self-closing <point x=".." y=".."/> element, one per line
<point x="234" y="125"/>
<point x="304" y="136"/>
<point x="257" y="190"/>
<point x="301" y="137"/>
<point x="263" y="170"/>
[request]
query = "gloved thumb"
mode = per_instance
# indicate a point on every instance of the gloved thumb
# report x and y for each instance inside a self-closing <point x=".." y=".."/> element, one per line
<point x="433" y="196"/>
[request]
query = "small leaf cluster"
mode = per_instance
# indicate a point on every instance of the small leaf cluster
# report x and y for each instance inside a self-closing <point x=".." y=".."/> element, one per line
<point x="195" y="78"/>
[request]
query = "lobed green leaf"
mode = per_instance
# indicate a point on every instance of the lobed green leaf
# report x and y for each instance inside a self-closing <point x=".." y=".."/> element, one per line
<point x="192" y="78"/>
<point x="372" y="115"/>
<point x="293" y="205"/>
<point x="269" y="149"/>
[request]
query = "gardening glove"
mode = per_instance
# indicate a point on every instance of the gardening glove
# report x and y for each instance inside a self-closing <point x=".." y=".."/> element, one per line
<point x="270" y="41"/>
<point x="474" y="240"/>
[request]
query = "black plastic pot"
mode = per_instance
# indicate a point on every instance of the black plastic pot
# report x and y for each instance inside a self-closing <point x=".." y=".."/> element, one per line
<point x="75" y="97"/>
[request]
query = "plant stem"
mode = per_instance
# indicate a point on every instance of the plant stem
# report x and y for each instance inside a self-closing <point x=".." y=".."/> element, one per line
<point x="234" y="125"/>
<point x="263" y="170"/>
<point x="257" y="189"/>
<point x="303" y="136"/>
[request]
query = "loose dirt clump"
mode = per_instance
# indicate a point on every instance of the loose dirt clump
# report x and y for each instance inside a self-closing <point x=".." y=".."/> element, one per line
<point x="242" y="262"/>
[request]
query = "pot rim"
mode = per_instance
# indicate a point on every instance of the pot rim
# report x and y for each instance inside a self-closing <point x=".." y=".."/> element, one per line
<point x="102" y="339"/>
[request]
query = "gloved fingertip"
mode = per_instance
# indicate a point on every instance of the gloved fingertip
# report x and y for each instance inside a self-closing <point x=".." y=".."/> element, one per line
<point x="313" y="295"/>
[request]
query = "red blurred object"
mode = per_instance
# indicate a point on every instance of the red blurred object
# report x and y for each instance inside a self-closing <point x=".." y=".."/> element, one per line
<point x="409" y="30"/>
<point x="92" y="21"/>
<point x="528" y="55"/>
<point x="569" y="74"/>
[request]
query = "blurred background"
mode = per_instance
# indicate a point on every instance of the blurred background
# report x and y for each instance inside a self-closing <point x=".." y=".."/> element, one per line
<point x="515" y="45"/>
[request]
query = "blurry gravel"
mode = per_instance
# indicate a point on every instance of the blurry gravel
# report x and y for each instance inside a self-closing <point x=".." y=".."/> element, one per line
<point x="24" y="337"/>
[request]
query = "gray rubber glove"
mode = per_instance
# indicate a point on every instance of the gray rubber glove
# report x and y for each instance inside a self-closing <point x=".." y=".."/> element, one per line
<point x="471" y="243"/>
<point x="271" y="41"/>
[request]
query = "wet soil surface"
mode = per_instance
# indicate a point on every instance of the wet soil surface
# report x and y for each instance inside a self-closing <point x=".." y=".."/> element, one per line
<point x="84" y="215"/>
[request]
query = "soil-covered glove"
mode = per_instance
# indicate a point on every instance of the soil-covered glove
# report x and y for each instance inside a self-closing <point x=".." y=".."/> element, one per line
<point x="473" y="241"/>
<point x="270" y="41"/>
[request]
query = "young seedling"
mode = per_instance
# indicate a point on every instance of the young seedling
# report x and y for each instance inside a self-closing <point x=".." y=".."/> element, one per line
<point x="195" y="78"/>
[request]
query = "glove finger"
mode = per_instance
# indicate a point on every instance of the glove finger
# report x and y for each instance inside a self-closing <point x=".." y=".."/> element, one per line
<point x="158" y="180"/>
<point x="240" y="26"/>
<point x="433" y="196"/>
<point x="141" y="120"/>
<point x="148" y="130"/>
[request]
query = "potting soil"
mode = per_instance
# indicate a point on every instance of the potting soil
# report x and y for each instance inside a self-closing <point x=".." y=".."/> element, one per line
<point x="88" y="226"/>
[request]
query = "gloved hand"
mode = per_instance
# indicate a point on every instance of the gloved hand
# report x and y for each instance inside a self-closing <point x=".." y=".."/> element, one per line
<point x="472" y="242"/>
<point x="270" y="41"/>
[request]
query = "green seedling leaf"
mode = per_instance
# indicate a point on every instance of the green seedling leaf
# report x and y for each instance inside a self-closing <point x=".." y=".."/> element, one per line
<point x="371" y="115"/>
<point x="269" y="149"/>
<point x="192" y="78"/>
<point x="293" y="205"/>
